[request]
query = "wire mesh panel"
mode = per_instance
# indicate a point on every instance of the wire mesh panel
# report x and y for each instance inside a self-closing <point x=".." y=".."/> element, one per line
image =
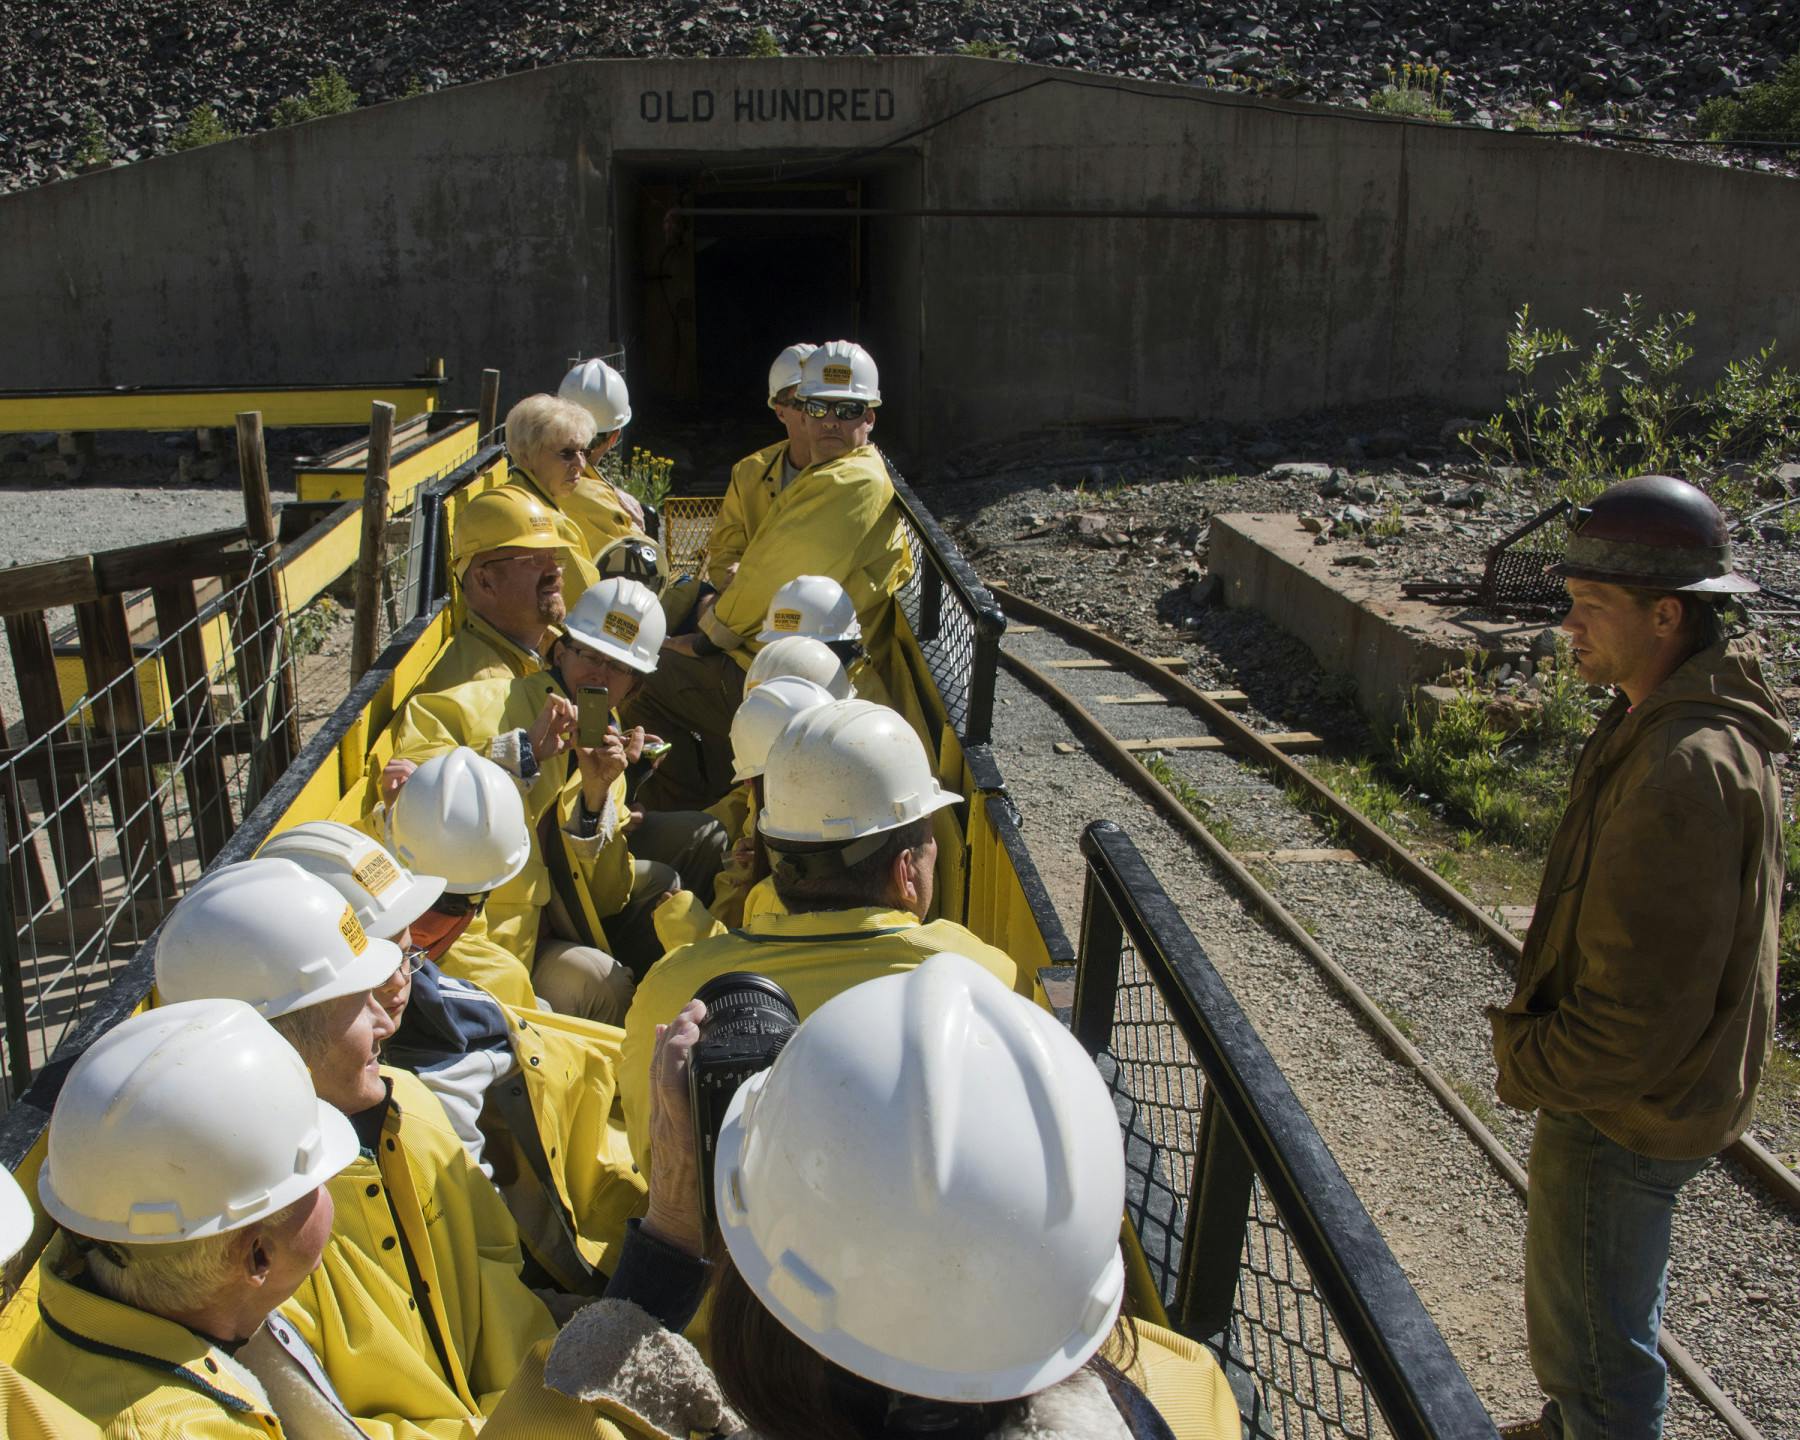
<point x="956" y="621"/>
<point x="687" y="522"/>
<point x="1518" y="567"/>
<point x="110" y="814"/>
<point x="1252" y="1238"/>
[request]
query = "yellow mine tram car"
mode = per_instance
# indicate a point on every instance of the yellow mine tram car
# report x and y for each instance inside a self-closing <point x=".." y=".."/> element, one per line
<point x="1241" y="1233"/>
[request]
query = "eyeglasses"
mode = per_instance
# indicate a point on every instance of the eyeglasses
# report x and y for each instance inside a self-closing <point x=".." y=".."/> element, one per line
<point x="457" y="906"/>
<point x="571" y="453"/>
<point x="841" y="409"/>
<point x="412" y="960"/>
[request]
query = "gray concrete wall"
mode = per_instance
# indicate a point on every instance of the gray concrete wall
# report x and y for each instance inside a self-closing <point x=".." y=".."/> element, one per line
<point x="479" y="224"/>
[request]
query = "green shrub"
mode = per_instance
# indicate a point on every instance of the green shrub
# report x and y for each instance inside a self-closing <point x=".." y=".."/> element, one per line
<point x="1416" y="90"/>
<point x="988" y="50"/>
<point x="1622" y="405"/>
<point x="764" y="45"/>
<point x="1766" y="111"/>
<point x="328" y="94"/>
<point x="93" y="148"/>
<point x="203" y="127"/>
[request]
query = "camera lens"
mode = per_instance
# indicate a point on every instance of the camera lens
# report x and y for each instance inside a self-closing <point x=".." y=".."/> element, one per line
<point x="748" y="1020"/>
<point x="744" y="1004"/>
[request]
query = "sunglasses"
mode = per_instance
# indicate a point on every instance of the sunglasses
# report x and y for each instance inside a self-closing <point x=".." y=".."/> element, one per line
<point x="841" y="409"/>
<point x="454" y="907"/>
<point x="571" y="453"/>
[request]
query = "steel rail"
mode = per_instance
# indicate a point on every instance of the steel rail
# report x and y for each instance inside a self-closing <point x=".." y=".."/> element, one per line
<point x="1691" y="1373"/>
<point x="1782" y="1183"/>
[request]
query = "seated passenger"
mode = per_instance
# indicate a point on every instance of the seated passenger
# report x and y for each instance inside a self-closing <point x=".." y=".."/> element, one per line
<point x="547" y="443"/>
<point x="920" y="1204"/>
<point x="606" y="512"/>
<point x="509" y="559"/>
<point x="417" y="1310"/>
<point x="186" y="1166"/>
<point x="613" y="864"/>
<point x="798" y="655"/>
<point x="840" y="519"/>
<point x="26" y="1411"/>
<point x="540" y="1085"/>
<point x="759" y="477"/>
<point x="815" y="606"/>
<point x="765" y="713"/>
<point x="848" y="797"/>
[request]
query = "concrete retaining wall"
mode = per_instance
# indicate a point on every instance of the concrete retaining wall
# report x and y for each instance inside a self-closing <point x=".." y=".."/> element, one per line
<point x="479" y="223"/>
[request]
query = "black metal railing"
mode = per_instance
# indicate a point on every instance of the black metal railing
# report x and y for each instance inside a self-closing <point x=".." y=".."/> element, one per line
<point x="1255" y="1241"/>
<point x="954" y="617"/>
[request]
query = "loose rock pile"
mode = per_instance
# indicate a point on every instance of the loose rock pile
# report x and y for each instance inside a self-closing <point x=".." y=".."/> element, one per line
<point x="120" y="76"/>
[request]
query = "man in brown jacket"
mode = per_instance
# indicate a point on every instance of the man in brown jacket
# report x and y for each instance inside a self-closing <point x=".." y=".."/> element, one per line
<point x="1646" y="997"/>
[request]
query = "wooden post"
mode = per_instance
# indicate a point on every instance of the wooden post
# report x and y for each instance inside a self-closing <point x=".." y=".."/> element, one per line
<point x="434" y="368"/>
<point x="30" y="888"/>
<point x="265" y="663"/>
<point x="371" y="557"/>
<point x="189" y="686"/>
<point x="116" y="712"/>
<point x="490" y="406"/>
<point x="40" y="697"/>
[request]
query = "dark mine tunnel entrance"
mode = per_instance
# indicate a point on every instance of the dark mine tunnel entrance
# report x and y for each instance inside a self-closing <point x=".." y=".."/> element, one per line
<point x="715" y="275"/>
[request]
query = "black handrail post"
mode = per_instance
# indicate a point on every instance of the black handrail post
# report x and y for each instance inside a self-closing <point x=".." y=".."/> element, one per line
<point x="990" y="625"/>
<point x="1097" y="961"/>
<point x="1218" y="1209"/>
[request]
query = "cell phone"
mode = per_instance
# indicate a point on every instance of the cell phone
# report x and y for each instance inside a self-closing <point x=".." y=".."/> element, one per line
<point x="594" y="715"/>
<point x="639" y="770"/>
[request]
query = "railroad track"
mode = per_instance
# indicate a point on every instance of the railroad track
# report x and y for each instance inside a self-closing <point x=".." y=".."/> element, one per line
<point x="1088" y="663"/>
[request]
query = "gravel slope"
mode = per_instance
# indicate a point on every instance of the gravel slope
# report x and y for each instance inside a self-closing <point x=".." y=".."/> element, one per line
<point x="132" y="70"/>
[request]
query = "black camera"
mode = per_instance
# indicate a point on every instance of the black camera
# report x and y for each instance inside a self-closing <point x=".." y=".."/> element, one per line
<point x="748" y="1020"/>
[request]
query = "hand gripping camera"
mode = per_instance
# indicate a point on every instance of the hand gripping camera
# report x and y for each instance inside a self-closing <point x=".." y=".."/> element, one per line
<point x="748" y="1020"/>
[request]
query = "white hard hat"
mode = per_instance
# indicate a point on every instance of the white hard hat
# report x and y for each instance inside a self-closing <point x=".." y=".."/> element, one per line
<point x="460" y="815"/>
<point x="840" y="370"/>
<point x="814" y="605"/>
<point x="634" y="557"/>
<point x="926" y="1187"/>
<point x="803" y="656"/>
<point x="786" y="369"/>
<point x="622" y="620"/>
<point x="16" y="1219"/>
<point x="185" y="1121"/>
<point x="764" y="715"/>
<point x="845" y="770"/>
<point x="386" y="896"/>
<point x="268" y="933"/>
<point x="600" y="390"/>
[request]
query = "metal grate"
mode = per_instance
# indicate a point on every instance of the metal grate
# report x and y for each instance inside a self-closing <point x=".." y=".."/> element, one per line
<point x="1294" y="1374"/>
<point x="687" y="523"/>
<point x="1253" y="1241"/>
<point x="110" y="815"/>
<point x="1518" y="574"/>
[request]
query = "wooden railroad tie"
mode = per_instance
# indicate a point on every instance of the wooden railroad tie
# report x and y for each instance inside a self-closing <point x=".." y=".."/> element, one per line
<point x="1176" y="663"/>
<point x="1301" y="857"/>
<point x="1292" y="742"/>
<point x="1225" y="699"/>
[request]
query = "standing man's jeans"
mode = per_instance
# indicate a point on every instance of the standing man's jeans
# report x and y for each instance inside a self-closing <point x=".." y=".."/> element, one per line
<point x="1596" y="1264"/>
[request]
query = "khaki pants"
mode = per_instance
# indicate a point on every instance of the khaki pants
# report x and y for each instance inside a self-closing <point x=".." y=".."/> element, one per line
<point x="688" y="701"/>
<point x="582" y="981"/>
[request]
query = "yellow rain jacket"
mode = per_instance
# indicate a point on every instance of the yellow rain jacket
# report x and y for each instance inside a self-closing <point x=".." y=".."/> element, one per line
<point x="813" y="956"/>
<point x="477" y="651"/>
<point x="839" y="519"/>
<point x="595" y="506"/>
<point x="414" y="1357"/>
<point x="587" y="878"/>
<point x="736" y="813"/>
<point x="134" y="1375"/>
<point x="567" y="1073"/>
<point x="1185" y="1384"/>
<point x="755" y="482"/>
<point x="30" y="1413"/>
<point x="578" y="558"/>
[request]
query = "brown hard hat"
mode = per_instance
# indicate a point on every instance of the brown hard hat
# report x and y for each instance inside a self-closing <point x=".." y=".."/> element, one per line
<point x="1653" y="532"/>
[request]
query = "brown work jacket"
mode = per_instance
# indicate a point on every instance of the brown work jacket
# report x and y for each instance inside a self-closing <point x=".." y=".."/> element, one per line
<point x="1646" y="993"/>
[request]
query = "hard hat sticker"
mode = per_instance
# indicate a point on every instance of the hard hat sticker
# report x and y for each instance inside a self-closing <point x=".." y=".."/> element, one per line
<point x="353" y="932"/>
<point x="786" y="620"/>
<point x="540" y="524"/>
<point x="376" y="874"/>
<point x="836" y="374"/>
<point x="620" y="626"/>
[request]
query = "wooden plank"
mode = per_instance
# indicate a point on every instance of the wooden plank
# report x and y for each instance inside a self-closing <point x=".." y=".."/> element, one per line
<point x="189" y="687"/>
<point x="160" y="746"/>
<point x="371" y="554"/>
<point x="40" y="696"/>
<point x="22" y="412"/>
<point x="1303" y="857"/>
<point x="47" y="584"/>
<point x="192" y="557"/>
<point x="264" y="664"/>
<point x="1171" y="662"/>
<point x="1226" y="699"/>
<point x="30" y="886"/>
<point x="137" y="820"/>
<point x="1292" y="741"/>
<point x="1012" y="630"/>
<point x="1063" y="747"/>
